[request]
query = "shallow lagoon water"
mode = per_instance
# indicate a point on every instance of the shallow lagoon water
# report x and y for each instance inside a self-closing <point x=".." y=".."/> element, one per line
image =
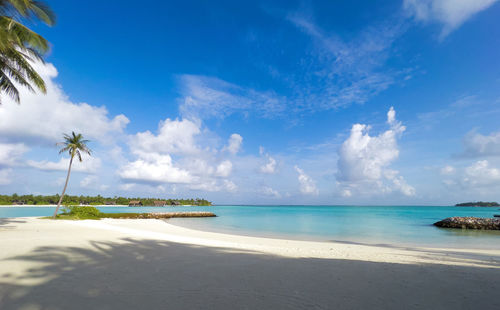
<point x="395" y="225"/>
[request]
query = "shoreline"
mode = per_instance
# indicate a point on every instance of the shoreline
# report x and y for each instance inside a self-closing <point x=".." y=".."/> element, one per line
<point x="163" y="230"/>
<point x="317" y="238"/>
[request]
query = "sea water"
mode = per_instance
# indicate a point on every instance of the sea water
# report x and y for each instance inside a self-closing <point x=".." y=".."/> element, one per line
<point x="391" y="225"/>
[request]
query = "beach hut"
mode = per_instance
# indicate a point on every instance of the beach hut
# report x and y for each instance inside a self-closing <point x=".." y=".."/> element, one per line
<point x="175" y="203"/>
<point x="159" y="203"/>
<point x="134" y="203"/>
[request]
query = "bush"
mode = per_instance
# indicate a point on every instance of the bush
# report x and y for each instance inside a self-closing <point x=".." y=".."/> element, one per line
<point x="82" y="212"/>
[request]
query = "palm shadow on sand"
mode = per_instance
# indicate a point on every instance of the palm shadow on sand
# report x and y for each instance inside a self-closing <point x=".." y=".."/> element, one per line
<point x="149" y="274"/>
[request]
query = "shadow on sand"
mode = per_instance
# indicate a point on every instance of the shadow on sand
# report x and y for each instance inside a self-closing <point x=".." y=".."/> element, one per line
<point x="5" y="223"/>
<point x="147" y="274"/>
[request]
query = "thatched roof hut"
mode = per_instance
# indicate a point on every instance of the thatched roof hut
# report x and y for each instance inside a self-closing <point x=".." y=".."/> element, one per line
<point x="159" y="203"/>
<point x="175" y="203"/>
<point x="134" y="203"/>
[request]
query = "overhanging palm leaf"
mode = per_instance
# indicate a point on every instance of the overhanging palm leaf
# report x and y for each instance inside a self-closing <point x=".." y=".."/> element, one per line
<point x="19" y="45"/>
<point x="75" y="145"/>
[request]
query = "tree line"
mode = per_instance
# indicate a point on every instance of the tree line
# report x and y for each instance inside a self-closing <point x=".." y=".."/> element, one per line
<point x="93" y="200"/>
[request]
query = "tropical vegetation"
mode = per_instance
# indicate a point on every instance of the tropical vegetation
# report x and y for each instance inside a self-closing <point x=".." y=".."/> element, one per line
<point x="20" y="46"/>
<point x="75" y="145"/>
<point x="94" y="200"/>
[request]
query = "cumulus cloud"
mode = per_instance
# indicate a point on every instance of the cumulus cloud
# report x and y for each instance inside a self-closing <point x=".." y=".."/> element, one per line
<point x="270" y="166"/>
<point x="478" y="145"/>
<point x="154" y="168"/>
<point x="307" y="184"/>
<point x="10" y="153"/>
<point x="234" y="143"/>
<point x="88" y="165"/>
<point x="174" y="136"/>
<point x="481" y="173"/>
<point x="364" y="160"/>
<point x="41" y="119"/>
<point x="450" y="13"/>
<point x="175" y="155"/>
<point x="224" y="169"/>
<point x="269" y="191"/>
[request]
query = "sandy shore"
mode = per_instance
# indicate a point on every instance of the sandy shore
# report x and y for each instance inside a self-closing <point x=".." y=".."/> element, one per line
<point x="150" y="264"/>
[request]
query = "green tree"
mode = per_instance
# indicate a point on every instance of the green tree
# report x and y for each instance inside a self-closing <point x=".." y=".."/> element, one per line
<point x="74" y="144"/>
<point x="19" y="45"/>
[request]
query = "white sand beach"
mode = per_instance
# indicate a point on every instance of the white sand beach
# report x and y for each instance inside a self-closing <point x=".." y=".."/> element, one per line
<point x="150" y="264"/>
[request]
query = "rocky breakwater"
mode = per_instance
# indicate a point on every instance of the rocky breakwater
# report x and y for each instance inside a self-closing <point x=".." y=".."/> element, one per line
<point x="157" y="215"/>
<point x="470" y="223"/>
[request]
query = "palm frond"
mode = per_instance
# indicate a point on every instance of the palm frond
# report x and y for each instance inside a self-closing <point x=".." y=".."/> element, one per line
<point x="75" y="145"/>
<point x="19" y="45"/>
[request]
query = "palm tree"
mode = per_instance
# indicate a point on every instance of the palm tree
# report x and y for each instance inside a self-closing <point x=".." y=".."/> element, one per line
<point x="19" y="45"/>
<point x="74" y="144"/>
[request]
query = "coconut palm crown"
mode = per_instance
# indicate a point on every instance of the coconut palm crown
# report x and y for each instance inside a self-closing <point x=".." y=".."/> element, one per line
<point x="19" y="45"/>
<point x="75" y="145"/>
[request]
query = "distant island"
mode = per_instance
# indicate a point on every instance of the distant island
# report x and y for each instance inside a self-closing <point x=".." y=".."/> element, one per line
<point x="99" y="200"/>
<point x="478" y="204"/>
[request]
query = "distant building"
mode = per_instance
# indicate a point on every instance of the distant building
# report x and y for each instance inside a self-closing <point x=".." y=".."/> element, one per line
<point x="159" y="203"/>
<point x="110" y="203"/>
<point x="175" y="203"/>
<point x="134" y="203"/>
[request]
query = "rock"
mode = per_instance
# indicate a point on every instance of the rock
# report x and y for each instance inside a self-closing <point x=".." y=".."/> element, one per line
<point x="470" y="223"/>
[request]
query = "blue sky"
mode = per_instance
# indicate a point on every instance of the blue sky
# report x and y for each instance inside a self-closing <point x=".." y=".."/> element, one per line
<point x="345" y="102"/>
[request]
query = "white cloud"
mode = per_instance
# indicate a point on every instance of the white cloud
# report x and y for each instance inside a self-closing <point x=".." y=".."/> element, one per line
<point x="269" y="191"/>
<point x="448" y="170"/>
<point x="88" y="181"/>
<point x="92" y="181"/>
<point x="478" y="145"/>
<point x="174" y="136"/>
<point x="5" y="176"/>
<point x="42" y="119"/>
<point x="364" y="160"/>
<point x="481" y="174"/>
<point x="270" y="166"/>
<point x="88" y="165"/>
<point x="11" y="153"/>
<point x="234" y="143"/>
<point x="154" y="168"/>
<point x="230" y="186"/>
<point x="307" y="184"/>
<point x="224" y="169"/>
<point x="174" y="155"/>
<point x="450" y="13"/>
<point x="212" y="185"/>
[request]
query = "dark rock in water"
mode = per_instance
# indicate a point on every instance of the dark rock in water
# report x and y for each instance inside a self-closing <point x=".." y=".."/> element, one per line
<point x="478" y="204"/>
<point x="470" y="223"/>
<point x="496" y="215"/>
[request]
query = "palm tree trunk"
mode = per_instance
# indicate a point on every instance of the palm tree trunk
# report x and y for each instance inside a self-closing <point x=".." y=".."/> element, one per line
<point x="65" y="185"/>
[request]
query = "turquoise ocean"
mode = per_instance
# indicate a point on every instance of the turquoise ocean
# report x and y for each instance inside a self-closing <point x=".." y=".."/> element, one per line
<point x="391" y="225"/>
